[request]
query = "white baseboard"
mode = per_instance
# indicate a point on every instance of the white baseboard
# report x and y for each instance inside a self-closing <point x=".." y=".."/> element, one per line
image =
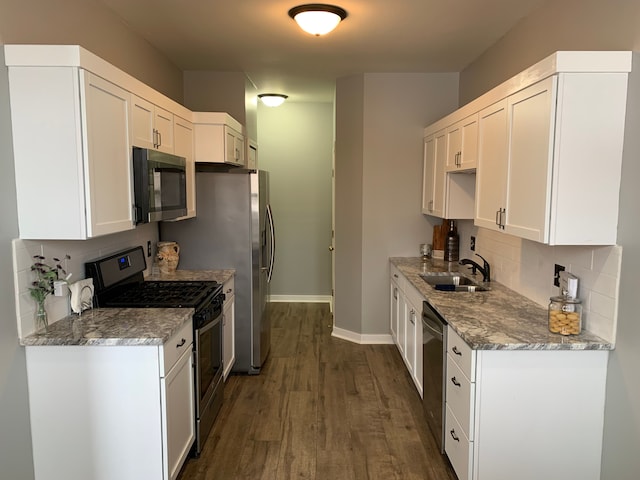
<point x="301" y="298"/>
<point x="362" y="339"/>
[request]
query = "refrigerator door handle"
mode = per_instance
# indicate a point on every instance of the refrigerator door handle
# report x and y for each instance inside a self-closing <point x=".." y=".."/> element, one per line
<point x="272" y="233"/>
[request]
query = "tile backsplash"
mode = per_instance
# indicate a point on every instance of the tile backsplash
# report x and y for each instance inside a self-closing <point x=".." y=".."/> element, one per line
<point x="80" y="251"/>
<point x="528" y="267"/>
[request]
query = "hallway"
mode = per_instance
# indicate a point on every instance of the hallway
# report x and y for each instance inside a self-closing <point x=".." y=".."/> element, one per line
<point x="322" y="408"/>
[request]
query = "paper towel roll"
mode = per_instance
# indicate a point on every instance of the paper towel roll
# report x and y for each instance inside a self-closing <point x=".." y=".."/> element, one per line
<point x="81" y="295"/>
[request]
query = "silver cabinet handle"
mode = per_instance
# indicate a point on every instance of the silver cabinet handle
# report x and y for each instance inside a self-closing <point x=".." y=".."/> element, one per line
<point x="182" y="342"/>
<point x="456" y="351"/>
<point x="395" y="293"/>
<point x="454" y="436"/>
<point x="159" y="138"/>
<point x="498" y="212"/>
<point x="455" y="382"/>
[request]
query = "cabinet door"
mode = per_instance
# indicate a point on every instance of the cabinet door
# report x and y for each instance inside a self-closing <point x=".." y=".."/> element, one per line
<point x="177" y="398"/>
<point x="395" y="311"/>
<point x="142" y="130"/>
<point x="462" y="144"/>
<point x="229" y="336"/>
<point x="491" y="174"/>
<point x="428" y="171"/>
<point x="163" y="123"/>
<point x="439" y="174"/>
<point x="184" y="145"/>
<point x="234" y="147"/>
<point x="108" y="182"/>
<point x="411" y="320"/>
<point x="528" y="196"/>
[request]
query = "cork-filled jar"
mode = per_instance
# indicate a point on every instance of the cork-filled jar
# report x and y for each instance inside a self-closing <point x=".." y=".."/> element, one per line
<point x="565" y="315"/>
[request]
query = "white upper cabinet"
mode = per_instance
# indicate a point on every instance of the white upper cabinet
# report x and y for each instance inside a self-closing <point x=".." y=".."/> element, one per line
<point x="462" y="144"/>
<point x="435" y="158"/>
<point x="184" y="147"/>
<point x="549" y="151"/>
<point x="218" y="139"/>
<point x="491" y="175"/>
<point x="72" y="153"/>
<point x="541" y="151"/>
<point x="151" y="126"/>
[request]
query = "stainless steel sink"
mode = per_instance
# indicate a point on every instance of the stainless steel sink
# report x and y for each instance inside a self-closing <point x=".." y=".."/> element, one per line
<point x="452" y="282"/>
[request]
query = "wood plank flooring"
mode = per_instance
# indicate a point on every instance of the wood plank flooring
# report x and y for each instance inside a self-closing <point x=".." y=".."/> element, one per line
<point x="321" y="408"/>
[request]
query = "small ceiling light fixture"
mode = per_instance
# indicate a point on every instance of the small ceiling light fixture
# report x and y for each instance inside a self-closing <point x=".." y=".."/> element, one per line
<point x="272" y="99"/>
<point x="317" y="18"/>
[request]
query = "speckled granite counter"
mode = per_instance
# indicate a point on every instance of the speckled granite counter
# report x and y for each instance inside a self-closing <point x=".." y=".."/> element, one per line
<point x="219" y="276"/>
<point x="113" y="326"/>
<point x="499" y="319"/>
<point x="125" y="326"/>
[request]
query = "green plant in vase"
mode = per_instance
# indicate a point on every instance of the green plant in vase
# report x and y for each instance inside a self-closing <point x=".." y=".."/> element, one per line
<point x="43" y="286"/>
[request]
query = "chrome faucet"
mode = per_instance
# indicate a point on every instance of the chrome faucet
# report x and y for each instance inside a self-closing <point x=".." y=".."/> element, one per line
<point x="485" y="270"/>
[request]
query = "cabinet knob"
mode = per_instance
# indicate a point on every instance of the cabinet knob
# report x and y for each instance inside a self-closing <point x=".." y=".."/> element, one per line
<point x="455" y="382"/>
<point x="182" y="342"/>
<point x="454" y="436"/>
<point x="456" y="351"/>
<point x="331" y="248"/>
<point x="229" y="290"/>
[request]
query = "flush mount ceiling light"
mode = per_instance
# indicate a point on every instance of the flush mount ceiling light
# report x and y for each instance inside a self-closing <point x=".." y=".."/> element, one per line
<point x="317" y="18"/>
<point x="272" y="99"/>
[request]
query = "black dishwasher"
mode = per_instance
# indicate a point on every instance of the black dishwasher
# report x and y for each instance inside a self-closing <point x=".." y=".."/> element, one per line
<point x="434" y="351"/>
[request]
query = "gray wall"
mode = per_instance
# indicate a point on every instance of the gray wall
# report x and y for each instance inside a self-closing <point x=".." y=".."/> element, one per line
<point x="87" y="23"/>
<point x="295" y="143"/>
<point x="380" y="121"/>
<point x="592" y="25"/>
<point x="15" y="436"/>
<point x="349" y="148"/>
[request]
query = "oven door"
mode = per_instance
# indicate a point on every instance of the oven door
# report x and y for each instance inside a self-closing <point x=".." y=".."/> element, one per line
<point x="208" y="361"/>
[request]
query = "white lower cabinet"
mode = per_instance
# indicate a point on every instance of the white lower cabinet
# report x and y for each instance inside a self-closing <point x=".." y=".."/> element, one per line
<point x="406" y="318"/>
<point x="228" y="328"/>
<point x="112" y="412"/>
<point x="526" y="414"/>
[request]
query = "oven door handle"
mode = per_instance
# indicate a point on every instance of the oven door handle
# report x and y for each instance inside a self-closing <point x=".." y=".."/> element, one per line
<point x="209" y="325"/>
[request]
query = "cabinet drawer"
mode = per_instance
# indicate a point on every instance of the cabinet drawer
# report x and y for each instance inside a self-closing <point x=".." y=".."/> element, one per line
<point x="173" y="348"/>
<point x="396" y="276"/>
<point x="457" y="447"/>
<point x="460" y="395"/>
<point x="461" y="354"/>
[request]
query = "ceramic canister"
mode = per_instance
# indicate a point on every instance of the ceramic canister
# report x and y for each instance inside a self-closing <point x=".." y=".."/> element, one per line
<point x="168" y="256"/>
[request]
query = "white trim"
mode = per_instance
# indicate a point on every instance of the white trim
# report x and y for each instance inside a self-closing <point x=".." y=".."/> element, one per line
<point x="362" y="339"/>
<point x="300" y="298"/>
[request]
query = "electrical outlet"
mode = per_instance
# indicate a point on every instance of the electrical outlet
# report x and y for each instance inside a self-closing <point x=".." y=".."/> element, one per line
<point x="556" y="274"/>
<point x="148" y="248"/>
<point x="472" y="246"/>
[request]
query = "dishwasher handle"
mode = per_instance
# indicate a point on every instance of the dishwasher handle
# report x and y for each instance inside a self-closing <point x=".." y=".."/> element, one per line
<point x="433" y="321"/>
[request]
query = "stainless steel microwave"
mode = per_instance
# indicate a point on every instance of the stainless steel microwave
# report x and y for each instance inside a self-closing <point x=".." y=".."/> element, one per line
<point x="160" y="185"/>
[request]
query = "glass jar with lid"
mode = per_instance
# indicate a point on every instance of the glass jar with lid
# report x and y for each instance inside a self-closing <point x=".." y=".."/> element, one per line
<point x="565" y="315"/>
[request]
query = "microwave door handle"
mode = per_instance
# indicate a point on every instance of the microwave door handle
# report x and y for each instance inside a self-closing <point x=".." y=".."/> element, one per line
<point x="272" y="234"/>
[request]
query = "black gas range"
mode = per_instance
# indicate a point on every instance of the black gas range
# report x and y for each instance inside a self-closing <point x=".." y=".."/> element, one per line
<point x="119" y="282"/>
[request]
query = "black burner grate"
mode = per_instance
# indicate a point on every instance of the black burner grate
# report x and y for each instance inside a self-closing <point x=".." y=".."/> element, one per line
<point x="163" y="294"/>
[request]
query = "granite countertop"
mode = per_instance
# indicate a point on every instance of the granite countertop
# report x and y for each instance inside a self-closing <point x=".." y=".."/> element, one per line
<point x="125" y="326"/>
<point x="499" y="319"/>
<point x="113" y="326"/>
<point x="219" y="276"/>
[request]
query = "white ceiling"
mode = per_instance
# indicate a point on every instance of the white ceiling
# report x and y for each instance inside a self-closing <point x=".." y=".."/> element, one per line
<point x="260" y="39"/>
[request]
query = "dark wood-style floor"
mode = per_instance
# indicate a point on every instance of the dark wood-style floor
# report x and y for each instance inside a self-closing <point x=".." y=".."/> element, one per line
<point x="321" y="408"/>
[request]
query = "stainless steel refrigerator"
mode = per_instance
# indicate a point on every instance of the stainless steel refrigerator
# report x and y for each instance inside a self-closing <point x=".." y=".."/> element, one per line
<point x="233" y="228"/>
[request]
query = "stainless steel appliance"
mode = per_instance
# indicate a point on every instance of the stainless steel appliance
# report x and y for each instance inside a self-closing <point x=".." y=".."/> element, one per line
<point x="234" y="229"/>
<point x="434" y="358"/>
<point x="119" y="282"/>
<point x="160" y="186"/>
